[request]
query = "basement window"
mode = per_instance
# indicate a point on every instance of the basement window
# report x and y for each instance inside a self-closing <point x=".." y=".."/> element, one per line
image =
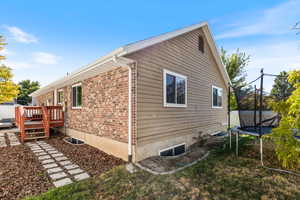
<point x="173" y="151"/>
<point x="73" y="140"/>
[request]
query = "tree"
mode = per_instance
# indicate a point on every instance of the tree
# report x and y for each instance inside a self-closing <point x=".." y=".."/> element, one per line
<point x="282" y="89"/>
<point x="26" y="87"/>
<point x="286" y="147"/>
<point x="235" y="65"/>
<point x="8" y="90"/>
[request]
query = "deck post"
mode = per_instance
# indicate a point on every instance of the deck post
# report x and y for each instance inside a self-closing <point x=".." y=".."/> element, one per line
<point x="46" y="121"/>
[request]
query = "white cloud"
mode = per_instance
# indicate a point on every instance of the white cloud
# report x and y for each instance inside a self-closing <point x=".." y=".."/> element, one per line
<point x="273" y="56"/>
<point x="21" y="36"/>
<point x="18" y="64"/>
<point x="45" y="58"/>
<point x="38" y="60"/>
<point x="273" y="21"/>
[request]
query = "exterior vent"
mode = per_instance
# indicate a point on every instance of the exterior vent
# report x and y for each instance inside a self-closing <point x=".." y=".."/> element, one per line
<point x="201" y="44"/>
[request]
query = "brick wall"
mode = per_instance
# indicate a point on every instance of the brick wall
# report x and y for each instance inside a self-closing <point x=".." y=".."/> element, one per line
<point x="104" y="109"/>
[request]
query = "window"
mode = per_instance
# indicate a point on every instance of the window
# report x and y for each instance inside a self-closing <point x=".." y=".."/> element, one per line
<point x="201" y="44"/>
<point x="76" y="96"/>
<point x="175" y="89"/>
<point x="217" y="94"/>
<point x="173" y="151"/>
<point x="60" y="97"/>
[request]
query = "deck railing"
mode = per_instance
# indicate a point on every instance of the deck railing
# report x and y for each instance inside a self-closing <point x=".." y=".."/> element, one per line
<point x="50" y="116"/>
<point x="55" y="113"/>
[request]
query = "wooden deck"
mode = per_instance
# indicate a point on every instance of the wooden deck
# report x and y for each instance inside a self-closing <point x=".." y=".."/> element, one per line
<point x="35" y="121"/>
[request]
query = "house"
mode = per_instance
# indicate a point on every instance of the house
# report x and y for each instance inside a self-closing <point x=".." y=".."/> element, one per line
<point x="146" y="98"/>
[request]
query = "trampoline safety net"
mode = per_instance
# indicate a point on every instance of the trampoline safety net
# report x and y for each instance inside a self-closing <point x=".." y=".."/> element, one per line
<point x="254" y="114"/>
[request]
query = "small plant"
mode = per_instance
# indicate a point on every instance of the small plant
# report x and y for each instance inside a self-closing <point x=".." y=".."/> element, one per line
<point x="200" y="139"/>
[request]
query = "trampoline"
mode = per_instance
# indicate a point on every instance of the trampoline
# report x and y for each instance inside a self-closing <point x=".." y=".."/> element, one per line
<point x="255" y="119"/>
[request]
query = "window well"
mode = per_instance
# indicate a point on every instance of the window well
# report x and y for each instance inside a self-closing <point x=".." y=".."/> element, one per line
<point x="73" y="140"/>
<point x="173" y="151"/>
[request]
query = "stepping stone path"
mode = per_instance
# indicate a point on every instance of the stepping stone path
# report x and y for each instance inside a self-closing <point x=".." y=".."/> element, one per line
<point x="11" y="138"/>
<point x="60" y="170"/>
<point x="2" y="139"/>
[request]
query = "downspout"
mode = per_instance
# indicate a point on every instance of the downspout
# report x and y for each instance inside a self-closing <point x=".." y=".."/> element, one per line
<point x="117" y="61"/>
<point x="129" y="115"/>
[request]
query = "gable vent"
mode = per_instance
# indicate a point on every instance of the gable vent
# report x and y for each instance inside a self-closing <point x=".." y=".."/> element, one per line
<point x="201" y="44"/>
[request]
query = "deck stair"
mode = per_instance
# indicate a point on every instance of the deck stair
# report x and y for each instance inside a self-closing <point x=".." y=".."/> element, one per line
<point x="35" y="122"/>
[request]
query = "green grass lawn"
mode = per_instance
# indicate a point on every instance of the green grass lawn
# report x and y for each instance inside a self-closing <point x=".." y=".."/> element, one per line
<point x="221" y="176"/>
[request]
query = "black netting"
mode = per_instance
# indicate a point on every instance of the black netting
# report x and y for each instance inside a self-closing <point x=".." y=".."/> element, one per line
<point x="250" y="104"/>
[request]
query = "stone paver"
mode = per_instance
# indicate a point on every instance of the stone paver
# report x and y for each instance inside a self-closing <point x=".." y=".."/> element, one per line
<point x="71" y="166"/>
<point x="54" y="170"/>
<point x="12" y="139"/>
<point x="44" y="157"/>
<point x="54" y="162"/>
<point x="53" y="152"/>
<point x="14" y="143"/>
<point x="81" y="176"/>
<point x="38" y="151"/>
<point x="47" y="161"/>
<point x="41" y="154"/>
<point x="63" y="163"/>
<point x="58" y="175"/>
<point x="57" y="154"/>
<point x="2" y="140"/>
<point x="75" y="171"/>
<point x="61" y="158"/>
<point x="35" y="148"/>
<point x="62" y="182"/>
<point x="48" y="166"/>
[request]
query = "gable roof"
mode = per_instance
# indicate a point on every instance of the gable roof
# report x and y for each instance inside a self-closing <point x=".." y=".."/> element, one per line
<point x="105" y="62"/>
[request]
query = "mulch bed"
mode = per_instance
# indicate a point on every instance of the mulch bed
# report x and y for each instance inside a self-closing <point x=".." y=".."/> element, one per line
<point x="22" y="175"/>
<point x="87" y="157"/>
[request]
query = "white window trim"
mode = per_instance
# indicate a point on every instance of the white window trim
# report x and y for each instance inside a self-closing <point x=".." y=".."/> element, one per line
<point x="212" y="96"/>
<point x="172" y="147"/>
<point x="76" y="85"/>
<point x="165" y="72"/>
<point x="58" y="91"/>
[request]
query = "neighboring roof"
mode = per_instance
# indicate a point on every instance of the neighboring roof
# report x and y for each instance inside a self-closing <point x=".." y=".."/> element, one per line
<point x="106" y="61"/>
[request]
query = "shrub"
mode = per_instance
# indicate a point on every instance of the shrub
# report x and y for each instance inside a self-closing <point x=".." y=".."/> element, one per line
<point x="287" y="148"/>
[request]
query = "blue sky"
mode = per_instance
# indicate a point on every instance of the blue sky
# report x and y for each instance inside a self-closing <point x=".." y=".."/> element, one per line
<point x="48" y="39"/>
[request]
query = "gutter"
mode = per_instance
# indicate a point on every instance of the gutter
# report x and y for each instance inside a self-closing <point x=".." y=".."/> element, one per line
<point x="125" y="62"/>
